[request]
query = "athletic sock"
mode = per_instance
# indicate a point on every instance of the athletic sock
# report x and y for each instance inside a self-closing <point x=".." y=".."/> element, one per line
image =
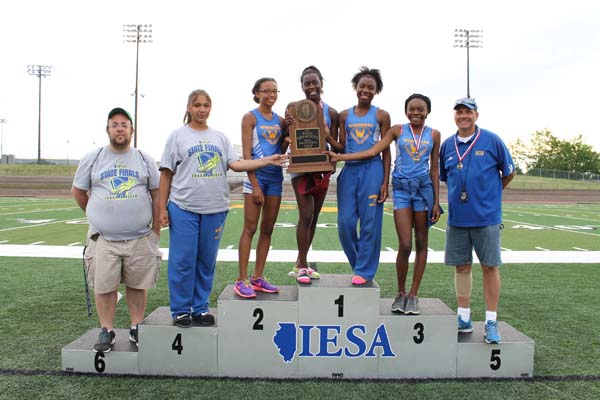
<point x="465" y="313"/>
<point x="490" y="316"/>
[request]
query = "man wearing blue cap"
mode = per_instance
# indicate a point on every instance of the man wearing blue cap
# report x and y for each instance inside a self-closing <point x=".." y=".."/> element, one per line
<point x="476" y="166"/>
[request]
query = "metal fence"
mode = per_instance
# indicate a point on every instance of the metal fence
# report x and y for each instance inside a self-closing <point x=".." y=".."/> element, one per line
<point x="558" y="174"/>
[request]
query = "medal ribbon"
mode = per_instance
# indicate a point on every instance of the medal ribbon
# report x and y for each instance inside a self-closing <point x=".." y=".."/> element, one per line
<point x="461" y="157"/>
<point x="418" y="143"/>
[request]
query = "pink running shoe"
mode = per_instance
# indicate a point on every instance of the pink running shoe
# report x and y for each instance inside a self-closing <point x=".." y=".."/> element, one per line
<point x="303" y="276"/>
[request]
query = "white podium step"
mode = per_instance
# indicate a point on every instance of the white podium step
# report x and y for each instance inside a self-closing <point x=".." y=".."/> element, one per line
<point x="329" y="329"/>
<point x="513" y="358"/>
<point x="79" y="355"/>
<point x="424" y="345"/>
<point x="168" y="350"/>
<point x="338" y="328"/>
<point x="251" y="332"/>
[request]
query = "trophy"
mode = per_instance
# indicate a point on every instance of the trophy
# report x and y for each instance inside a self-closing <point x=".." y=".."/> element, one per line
<point x="308" y="138"/>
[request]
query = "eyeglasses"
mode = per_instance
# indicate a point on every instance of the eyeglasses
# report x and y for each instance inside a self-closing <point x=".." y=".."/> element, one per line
<point x="123" y="125"/>
<point x="267" y="91"/>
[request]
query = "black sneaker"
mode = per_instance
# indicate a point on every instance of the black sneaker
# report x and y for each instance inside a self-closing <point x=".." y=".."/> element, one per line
<point x="183" y="320"/>
<point x="204" y="319"/>
<point x="105" y="341"/>
<point x="133" y="335"/>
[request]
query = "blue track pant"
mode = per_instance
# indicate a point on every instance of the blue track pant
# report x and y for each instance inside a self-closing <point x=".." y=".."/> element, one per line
<point x="358" y="188"/>
<point x="193" y="246"/>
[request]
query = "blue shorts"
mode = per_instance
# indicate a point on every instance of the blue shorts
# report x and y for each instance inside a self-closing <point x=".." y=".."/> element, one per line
<point x="460" y="243"/>
<point x="269" y="188"/>
<point x="402" y="199"/>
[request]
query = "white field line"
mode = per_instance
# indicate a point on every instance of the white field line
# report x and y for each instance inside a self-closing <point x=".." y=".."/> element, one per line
<point x="74" y="244"/>
<point x="579" y="248"/>
<point x="322" y="256"/>
<point x="556" y="216"/>
<point x="38" y="211"/>
<point x="45" y="223"/>
<point x="36" y="243"/>
<point x="551" y="227"/>
<point x="4" y="241"/>
<point x="541" y="248"/>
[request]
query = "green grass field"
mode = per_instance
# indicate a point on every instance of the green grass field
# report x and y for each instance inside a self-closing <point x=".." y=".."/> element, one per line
<point x="556" y="305"/>
<point x="43" y="309"/>
<point x="528" y="227"/>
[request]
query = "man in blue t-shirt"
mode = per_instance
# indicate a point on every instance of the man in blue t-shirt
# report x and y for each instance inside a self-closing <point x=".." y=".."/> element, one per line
<point x="476" y="166"/>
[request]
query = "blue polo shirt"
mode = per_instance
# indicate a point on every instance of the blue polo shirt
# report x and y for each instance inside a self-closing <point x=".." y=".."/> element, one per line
<point x="480" y="177"/>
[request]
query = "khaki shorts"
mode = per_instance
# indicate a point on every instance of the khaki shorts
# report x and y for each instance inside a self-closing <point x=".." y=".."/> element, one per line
<point x="136" y="263"/>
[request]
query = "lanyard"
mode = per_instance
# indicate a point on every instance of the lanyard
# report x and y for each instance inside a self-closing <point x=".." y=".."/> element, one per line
<point x="462" y="156"/>
<point x="417" y="143"/>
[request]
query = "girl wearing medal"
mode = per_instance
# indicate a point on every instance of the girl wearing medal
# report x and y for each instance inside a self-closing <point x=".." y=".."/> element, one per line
<point x="415" y="182"/>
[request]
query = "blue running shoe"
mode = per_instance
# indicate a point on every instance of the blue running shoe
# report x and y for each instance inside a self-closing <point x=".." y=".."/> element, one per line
<point x="491" y="332"/>
<point x="464" y="326"/>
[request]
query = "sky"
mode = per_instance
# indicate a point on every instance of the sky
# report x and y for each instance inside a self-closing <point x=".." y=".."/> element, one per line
<point x="538" y="67"/>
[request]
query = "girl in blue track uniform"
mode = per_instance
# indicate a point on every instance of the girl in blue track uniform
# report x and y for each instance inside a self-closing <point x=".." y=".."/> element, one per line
<point x="415" y="182"/>
<point x="311" y="188"/>
<point x="362" y="186"/>
<point x="262" y="136"/>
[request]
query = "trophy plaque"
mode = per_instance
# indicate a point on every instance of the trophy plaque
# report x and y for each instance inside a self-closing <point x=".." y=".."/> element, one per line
<point x="308" y="138"/>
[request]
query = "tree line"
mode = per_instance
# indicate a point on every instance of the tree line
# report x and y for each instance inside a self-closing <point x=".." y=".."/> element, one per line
<point x="544" y="150"/>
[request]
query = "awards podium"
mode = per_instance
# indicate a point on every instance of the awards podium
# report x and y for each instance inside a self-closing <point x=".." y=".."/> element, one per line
<point x="328" y="329"/>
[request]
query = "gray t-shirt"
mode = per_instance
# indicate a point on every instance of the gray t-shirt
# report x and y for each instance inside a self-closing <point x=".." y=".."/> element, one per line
<point x="120" y="207"/>
<point x="199" y="161"/>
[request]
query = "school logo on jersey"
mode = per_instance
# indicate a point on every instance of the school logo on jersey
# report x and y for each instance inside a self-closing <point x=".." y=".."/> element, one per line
<point x="120" y="180"/>
<point x="360" y="135"/>
<point x="208" y="162"/>
<point x="120" y="185"/>
<point x="272" y="136"/>
<point x="208" y="156"/>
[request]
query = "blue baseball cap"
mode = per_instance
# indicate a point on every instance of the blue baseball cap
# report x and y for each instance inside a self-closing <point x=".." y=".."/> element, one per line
<point x="467" y="102"/>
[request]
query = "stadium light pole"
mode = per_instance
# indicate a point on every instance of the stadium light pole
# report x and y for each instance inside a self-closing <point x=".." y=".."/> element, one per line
<point x="469" y="39"/>
<point x="2" y="122"/>
<point x="40" y="71"/>
<point x="137" y="33"/>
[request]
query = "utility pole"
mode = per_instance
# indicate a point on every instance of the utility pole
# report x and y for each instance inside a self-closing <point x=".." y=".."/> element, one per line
<point x="468" y="38"/>
<point x="137" y="33"/>
<point x="40" y="71"/>
<point x="2" y="122"/>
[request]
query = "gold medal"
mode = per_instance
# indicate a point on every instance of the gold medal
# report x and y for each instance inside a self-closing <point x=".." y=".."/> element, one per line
<point x="464" y="196"/>
<point x="416" y="158"/>
<point x="459" y="165"/>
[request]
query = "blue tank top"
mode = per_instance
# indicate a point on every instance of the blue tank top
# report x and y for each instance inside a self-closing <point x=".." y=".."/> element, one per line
<point x="266" y="141"/>
<point x="410" y="162"/>
<point x="326" y="114"/>
<point x="361" y="132"/>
